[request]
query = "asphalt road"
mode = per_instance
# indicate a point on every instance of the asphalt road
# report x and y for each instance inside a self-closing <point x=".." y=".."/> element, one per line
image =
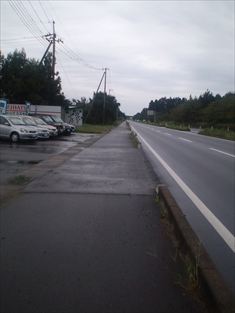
<point x="199" y="171"/>
<point x="86" y="236"/>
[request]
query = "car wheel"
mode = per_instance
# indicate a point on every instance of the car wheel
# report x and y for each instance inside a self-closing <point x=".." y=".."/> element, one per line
<point x="14" y="137"/>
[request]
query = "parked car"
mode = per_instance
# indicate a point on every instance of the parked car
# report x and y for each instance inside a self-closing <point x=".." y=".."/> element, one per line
<point x="14" y="129"/>
<point x="47" y="119"/>
<point x="42" y="132"/>
<point x="72" y="127"/>
<point x="68" y="129"/>
<point x="51" y="129"/>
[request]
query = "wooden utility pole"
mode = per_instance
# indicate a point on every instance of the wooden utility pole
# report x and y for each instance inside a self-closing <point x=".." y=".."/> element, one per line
<point x="104" y="99"/>
<point x="53" y="52"/>
<point x="104" y="104"/>
<point x="51" y="38"/>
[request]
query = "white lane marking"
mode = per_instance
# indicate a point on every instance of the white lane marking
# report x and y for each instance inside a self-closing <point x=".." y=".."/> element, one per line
<point x="226" y="153"/>
<point x="167" y="134"/>
<point x="184" y="139"/>
<point x="225" y="234"/>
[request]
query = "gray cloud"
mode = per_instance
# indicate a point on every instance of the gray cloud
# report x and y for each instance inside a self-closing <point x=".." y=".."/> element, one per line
<point x="153" y="49"/>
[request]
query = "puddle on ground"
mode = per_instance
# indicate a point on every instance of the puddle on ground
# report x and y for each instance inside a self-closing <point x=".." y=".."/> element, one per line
<point x="13" y="162"/>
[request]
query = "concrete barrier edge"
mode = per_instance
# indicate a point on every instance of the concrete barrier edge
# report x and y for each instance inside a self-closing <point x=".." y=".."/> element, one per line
<point x="220" y="294"/>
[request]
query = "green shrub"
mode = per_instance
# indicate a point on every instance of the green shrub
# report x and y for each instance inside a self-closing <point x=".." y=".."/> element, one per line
<point x="94" y="129"/>
<point x="220" y="133"/>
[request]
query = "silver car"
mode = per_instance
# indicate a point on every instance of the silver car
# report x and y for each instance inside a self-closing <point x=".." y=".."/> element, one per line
<point x="40" y="123"/>
<point x="13" y="128"/>
<point x="43" y="133"/>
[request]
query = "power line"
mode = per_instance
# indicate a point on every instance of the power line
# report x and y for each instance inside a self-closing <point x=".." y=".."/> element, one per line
<point x="29" y="17"/>
<point x="25" y="22"/>
<point x="44" y="11"/>
<point x="75" y="57"/>
<point x="35" y="12"/>
<point x="29" y="22"/>
<point x="83" y="61"/>
<point x="20" y="39"/>
<point x="68" y="51"/>
<point x="21" y="16"/>
<point x="23" y="19"/>
<point x="63" y="69"/>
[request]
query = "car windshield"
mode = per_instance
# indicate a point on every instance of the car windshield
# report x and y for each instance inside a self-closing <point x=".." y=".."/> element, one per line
<point x="29" y="121"/>
<point x="39" y="121"/>
<point x="57" y="119"/>
<point x="16" y="121"/>
<point x="47" y="119"/>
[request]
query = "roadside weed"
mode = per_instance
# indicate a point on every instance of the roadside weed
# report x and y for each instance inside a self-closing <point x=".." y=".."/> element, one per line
<point x="19" y="180"/>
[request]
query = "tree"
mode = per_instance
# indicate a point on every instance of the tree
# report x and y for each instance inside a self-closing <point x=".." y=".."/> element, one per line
<point x="96" y="112"/>
<point x="25" y="79"/>
<point x="206" y="98"/>
<point x="206" y="109"/>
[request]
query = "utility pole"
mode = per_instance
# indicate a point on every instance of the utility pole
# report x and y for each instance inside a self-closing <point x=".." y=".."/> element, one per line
<point x="44" y="55"/>
<point x="104" y="101"/>
<point x="51" y="38"/>
<point x="104" y="104"/>
<point x="53" y="52"/>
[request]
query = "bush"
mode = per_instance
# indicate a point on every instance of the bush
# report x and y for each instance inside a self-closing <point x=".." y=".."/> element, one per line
<point x="219" y="133"/>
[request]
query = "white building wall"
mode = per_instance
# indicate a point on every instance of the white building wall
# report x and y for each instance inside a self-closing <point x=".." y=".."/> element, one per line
<point x="45" y="109"/>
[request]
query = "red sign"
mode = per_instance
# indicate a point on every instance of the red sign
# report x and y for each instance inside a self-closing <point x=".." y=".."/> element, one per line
<point x="16" y="108"/>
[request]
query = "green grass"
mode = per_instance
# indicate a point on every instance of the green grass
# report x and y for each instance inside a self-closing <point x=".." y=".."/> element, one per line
<point x="188" y="271"/>
<point x="219" y="133"/>
<point x="171" y="125"/>
<point x="177" y="126"/>
<point x="19" y="180"/>
<point x="94" y="129"/>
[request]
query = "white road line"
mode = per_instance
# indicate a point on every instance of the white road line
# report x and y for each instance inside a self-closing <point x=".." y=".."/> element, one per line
<point x="225" y="234"/>
<point x="167" y="134"/>
<point x="226" y="153"/>
<point x="184" y="139"/>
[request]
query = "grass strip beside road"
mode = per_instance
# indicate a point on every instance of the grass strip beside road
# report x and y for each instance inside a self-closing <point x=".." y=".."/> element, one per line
<point x="94" y="129"/>
<point x="177" y="126"/>
<point x="170" y="125"/>
<point x="19" y="180"/>
<point x="219" y="133"/>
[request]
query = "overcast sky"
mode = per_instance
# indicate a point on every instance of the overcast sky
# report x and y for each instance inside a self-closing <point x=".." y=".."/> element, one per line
<point x="152" y="48"/>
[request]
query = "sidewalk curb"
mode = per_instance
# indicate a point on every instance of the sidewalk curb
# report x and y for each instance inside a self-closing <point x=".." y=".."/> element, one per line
<point x="220" y="294"/>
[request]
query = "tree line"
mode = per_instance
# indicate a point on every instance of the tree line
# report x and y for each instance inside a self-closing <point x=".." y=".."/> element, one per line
<point x="24" y="79"/>
<point x="206" y="110"/>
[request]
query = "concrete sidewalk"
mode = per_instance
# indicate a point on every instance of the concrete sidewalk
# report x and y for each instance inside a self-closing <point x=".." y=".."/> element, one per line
<point x="87" y="237"/>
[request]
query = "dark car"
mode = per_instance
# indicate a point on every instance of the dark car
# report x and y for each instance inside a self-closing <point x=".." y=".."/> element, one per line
<point x="68" y="129"/>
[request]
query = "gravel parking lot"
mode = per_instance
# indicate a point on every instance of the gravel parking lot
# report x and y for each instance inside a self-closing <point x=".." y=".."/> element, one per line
<point x="15" y="158"/>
